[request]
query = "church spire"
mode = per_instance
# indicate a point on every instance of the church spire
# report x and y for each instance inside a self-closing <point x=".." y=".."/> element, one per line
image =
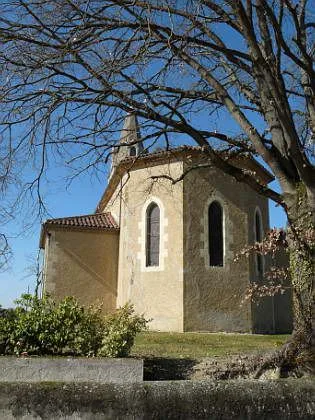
<point x="130" y="132"/>
<point x="130" y="143"/>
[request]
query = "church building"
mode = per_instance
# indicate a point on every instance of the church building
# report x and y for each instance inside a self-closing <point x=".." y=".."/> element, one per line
<point x="164" y="237"/>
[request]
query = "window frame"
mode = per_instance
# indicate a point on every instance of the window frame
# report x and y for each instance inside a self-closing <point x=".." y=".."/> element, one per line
<point x="221" y="206"/>
<point x="148" y="251"/>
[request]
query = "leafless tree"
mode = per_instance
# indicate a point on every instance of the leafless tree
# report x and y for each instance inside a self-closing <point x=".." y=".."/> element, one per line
<point x="70" y="69"/>
<point x="34" y="271"/>
<point x="6" y="210"/>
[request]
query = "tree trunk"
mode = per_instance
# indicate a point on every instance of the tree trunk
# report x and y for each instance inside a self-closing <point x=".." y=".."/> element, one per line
<point x="301" y="345"/>
<point x="300" y="349"/>
<point x="297" y="355"/>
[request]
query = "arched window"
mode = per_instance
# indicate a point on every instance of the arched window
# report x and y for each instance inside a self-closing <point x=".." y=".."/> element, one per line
<point x="258" y="238"/>
<point x="215" y="223"/>
<point x="152" y="235"/>
<point x="132" y="151"/>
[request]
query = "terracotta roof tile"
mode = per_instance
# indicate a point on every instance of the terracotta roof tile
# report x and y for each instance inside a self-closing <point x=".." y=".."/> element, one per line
<point x="88" y="221"/>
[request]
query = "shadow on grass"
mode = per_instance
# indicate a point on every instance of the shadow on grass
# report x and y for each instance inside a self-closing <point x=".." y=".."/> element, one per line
<point x="164" y="369"/>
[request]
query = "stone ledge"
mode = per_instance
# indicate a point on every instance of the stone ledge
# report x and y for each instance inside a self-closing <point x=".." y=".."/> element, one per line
<point x="246" y="399"/>
<point x="64" y="369"/>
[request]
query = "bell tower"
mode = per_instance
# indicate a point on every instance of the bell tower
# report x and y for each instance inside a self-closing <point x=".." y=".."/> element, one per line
<point x="130" y="144"/>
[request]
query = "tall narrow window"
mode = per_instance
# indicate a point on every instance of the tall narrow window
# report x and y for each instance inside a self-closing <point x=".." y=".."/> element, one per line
<point x="152" y="235"/>
<point x="258" y="238"/>
<point x="132" y="151"/>
<point x="215" y="222"/>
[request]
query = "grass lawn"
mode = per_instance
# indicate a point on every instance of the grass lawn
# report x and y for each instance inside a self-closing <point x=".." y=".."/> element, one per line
<point x="197" y="345"/>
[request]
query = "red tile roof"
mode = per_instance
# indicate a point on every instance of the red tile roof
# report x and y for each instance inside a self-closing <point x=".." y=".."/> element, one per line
<point x="88" y="221"/>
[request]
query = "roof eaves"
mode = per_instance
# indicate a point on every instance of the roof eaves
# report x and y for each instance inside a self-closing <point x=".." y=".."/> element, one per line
<point x="155" y="157"/>
<point x="53" y="224"/>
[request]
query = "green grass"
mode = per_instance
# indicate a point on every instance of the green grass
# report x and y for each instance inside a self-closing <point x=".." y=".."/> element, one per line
<point x="197" y="345"/>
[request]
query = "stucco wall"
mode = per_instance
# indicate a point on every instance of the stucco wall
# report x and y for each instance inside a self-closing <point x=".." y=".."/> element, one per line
<point x="155" y="291"/>
<point x="213" y="295"/>
<point x="283" y="314"/>
<point x="82" y="264"/>
<point x="263" y="310"/>
<point x="269" y="314"/>
<point x="185" y="293"/>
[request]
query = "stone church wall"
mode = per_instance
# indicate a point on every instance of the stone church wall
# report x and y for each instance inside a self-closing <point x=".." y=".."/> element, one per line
<point x="155" y="291"/>
<point x="270" y="315"/>
<point x="213" y="295"/>
<point x="184" y="293"/>
<point x="82" y="264"/>
<point x="279" y="319"/>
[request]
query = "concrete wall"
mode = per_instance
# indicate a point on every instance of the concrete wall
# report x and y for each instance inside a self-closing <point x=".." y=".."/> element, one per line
<point x="62" y="369"/>
<point x="213" y="295"/>
<point x="178" y="400"/>
<point x="155" y="291"/>
<point x="82" y="264"/>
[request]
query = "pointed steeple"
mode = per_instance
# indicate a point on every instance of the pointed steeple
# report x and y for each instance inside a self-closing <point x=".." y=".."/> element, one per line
<point x="130" y="132"/>
<point x="130" y="143"/>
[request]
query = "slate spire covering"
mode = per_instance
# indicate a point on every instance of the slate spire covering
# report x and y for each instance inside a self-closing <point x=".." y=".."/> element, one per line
<point x="130" y="144"/>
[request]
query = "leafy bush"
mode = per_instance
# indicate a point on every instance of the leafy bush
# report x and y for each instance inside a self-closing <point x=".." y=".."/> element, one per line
<point x="121" y="328"/>
<point x="44" y="327"/>
<point x="6" y="319"/>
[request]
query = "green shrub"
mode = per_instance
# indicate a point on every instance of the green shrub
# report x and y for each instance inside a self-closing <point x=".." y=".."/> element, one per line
<point x="121" y="328"/>
<point x="44" y="327"/>
<point x="6" y="323"/>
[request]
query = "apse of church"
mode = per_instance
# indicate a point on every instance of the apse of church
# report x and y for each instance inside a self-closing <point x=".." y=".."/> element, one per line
<point x="166" y="247"/>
